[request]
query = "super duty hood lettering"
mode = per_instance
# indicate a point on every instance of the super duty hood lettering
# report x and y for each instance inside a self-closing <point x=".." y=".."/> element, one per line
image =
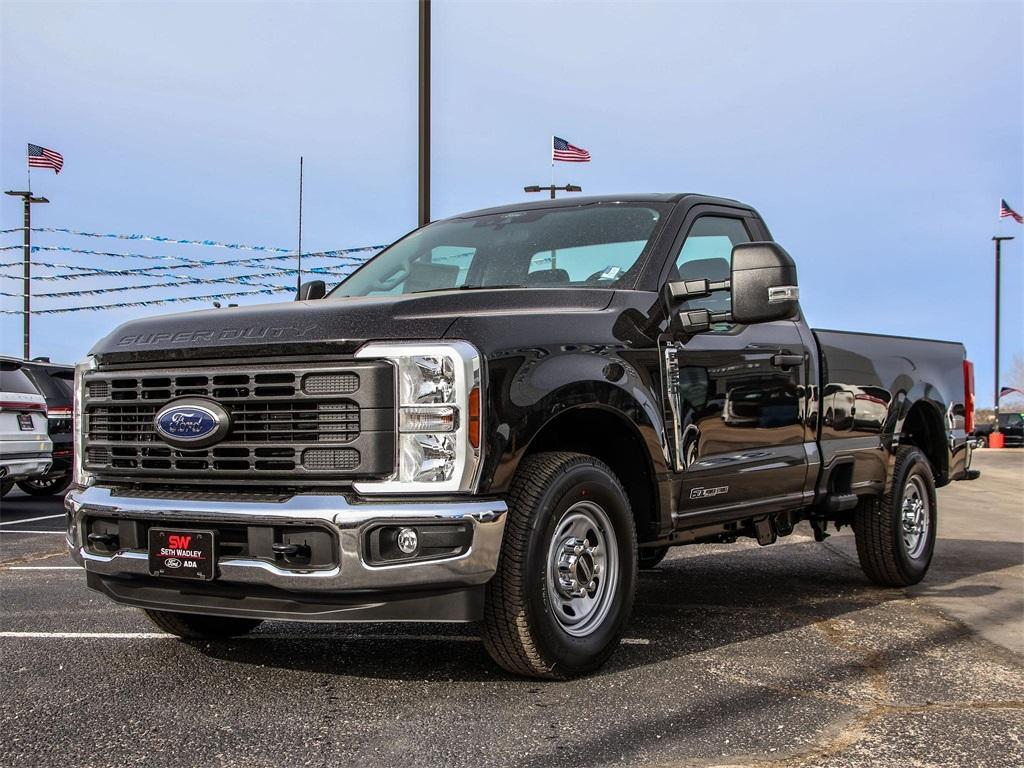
<point x="216" y="335"/>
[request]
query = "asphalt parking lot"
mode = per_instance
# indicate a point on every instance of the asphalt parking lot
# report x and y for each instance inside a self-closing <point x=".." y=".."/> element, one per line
<point x="741" y="655"/>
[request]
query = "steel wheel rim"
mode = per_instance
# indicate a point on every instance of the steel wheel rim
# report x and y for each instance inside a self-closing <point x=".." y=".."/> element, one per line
<point x="582" y="569"/>
<point x="915" y="517"/>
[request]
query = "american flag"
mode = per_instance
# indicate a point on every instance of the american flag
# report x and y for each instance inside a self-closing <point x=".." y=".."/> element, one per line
<point x="565" y="152"/>
<point x="1009" y="391"/>
<point x="1006" y="212"/>
<point x="41" y="157"/>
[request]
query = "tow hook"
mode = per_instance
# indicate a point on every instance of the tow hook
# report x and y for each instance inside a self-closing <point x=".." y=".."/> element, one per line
<point x="291" y="550"/>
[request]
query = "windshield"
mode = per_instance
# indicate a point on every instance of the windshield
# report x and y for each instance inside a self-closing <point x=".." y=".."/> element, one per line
<point x="590" y="246"/>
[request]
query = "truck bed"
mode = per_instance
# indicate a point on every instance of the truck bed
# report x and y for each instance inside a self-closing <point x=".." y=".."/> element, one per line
<point x="867" y="382"/>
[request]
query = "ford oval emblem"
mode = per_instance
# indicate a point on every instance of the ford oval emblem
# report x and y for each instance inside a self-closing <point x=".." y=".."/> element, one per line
<point x="192" y="423"/>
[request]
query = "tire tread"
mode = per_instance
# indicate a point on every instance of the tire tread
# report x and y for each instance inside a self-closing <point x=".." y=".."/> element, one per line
<point x="874" y="526"/>
<point x="200" y="627"/>
<point x="507" y="634"/>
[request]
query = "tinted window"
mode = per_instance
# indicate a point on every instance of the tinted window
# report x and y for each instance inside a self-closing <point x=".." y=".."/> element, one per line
<point x="589" y="246"/>
<point x="13" y="379"/>
<point x="55" y="385"/>
<point x="707" y="253"/>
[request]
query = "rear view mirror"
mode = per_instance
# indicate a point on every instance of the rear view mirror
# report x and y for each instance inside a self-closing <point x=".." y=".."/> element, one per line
<point x="311" y="290"/>
<point x="763" y="282"/>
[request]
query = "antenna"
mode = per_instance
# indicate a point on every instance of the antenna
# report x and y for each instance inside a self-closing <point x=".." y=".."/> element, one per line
<point x="298" y="271"/>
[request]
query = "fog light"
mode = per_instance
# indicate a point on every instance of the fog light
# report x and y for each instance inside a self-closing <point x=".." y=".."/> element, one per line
<point x="408" y="540"/>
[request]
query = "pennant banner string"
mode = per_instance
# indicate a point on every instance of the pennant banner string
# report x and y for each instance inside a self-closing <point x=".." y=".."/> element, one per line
<point x="339" y="271"/>
<point x="152" y="302"/>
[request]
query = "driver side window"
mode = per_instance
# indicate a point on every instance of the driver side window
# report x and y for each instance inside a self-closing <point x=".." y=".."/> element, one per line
<point x="707" y="254"/>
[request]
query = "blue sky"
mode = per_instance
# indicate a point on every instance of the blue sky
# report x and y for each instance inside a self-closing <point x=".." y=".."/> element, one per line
<point x="876" y="139"/>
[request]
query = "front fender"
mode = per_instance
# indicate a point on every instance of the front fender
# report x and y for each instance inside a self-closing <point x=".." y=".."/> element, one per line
<point x="530" y="391"/>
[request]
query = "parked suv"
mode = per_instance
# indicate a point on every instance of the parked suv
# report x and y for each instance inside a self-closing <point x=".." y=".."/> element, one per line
<point x="56" y="384"/>
<point x="25" y="447"/>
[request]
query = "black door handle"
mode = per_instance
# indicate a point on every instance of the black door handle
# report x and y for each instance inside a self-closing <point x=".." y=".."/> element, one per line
<point x="786" y="361"/>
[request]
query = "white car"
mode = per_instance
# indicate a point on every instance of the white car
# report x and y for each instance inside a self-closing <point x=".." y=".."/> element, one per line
<point x="25" y="447"/>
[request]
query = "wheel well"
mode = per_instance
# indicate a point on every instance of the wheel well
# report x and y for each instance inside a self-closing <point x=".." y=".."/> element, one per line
<point x="614" y="441"/>
<point x="923" y="428"/>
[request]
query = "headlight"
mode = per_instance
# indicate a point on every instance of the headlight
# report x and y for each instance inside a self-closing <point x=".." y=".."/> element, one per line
<point x="439" y="421"/>
<point x="81" y="477"/>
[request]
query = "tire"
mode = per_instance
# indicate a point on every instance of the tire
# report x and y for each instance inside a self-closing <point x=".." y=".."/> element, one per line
<point x="5" y="487"/>
<point x="560" y="506"/>
<point x="981" y="441"/>
<point x="649" y="558"/>
<point x="890" y="554"/>
<point x="45" y="486"/>
<point x="194" y="626"/>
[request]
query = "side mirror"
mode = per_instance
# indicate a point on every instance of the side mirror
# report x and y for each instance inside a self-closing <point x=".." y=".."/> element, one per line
<point x="312" y="290"/>
<point x="763" y="283"/>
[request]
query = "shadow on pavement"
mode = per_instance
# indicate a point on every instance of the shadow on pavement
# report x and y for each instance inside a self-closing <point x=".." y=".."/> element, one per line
<point x="690" y="605"/>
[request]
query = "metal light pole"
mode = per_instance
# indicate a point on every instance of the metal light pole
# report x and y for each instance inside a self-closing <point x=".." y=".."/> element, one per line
<point x="27" y="267"/>
<point x="424" y="119"/>
<point x="999" y="243"/>
<point x="552" y="189"/>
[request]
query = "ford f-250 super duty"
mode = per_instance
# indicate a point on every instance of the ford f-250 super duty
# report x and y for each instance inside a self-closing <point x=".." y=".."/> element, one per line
<point x="498" y="419"/>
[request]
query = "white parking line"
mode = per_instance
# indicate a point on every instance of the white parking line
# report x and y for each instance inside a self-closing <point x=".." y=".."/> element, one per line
<point x="32" y="519"/>
<point x="89" y="635"/>
<point x="52" y="533"/>
<point x="41" y="568"/>
<point x="286" y="636"/>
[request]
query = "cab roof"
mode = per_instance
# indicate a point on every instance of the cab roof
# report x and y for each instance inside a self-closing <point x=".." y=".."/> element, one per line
<point x="579" y="201"/>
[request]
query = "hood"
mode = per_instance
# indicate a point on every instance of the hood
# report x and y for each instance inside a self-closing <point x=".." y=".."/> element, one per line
<point x="338" y="326"/>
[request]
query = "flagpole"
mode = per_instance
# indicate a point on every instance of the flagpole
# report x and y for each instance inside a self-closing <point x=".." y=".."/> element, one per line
<point x="552" y="164"/>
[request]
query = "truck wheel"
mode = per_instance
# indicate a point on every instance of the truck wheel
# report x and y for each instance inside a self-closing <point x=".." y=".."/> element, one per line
<point x="563" y="591"/>
<point x="896" y="533"/>
<point x="45" y="486"/>
<point x="649" y="558"/>
<point x="194" y="626"/>
<point x="981" y="441"/>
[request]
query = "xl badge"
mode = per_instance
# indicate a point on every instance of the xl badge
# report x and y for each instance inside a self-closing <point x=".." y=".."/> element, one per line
<point x="192" y="423"/>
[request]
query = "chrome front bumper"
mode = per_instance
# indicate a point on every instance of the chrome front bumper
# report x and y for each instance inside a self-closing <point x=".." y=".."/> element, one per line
<point x="347" y="520"/>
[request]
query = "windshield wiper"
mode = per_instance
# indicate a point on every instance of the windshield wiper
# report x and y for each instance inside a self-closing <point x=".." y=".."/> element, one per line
<point x="486" y="287"/>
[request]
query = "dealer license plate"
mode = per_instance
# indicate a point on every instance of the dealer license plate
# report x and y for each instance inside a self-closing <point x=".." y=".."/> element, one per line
<point x="183" y="554"/>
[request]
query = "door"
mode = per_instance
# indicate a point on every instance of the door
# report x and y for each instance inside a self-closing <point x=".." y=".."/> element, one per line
<point x="736" y="393"/>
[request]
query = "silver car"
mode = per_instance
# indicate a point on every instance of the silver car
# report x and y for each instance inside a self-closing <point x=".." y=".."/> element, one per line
<point x="25" y="447"/>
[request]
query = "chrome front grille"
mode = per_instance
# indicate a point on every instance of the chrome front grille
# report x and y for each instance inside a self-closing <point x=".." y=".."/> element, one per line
<point x="333" y="421"/>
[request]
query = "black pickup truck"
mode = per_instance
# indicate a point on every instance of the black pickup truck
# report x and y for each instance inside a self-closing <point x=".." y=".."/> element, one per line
<point x="1010" y="424"/>
<point x="499" y="419"/>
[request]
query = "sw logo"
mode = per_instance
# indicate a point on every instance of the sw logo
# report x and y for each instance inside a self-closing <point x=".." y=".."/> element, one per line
<point x="178" y="542"/>
<point x="707" y="493"/>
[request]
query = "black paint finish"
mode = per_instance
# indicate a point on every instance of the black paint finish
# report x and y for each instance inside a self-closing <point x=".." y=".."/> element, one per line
<point x="731" y="424"/>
